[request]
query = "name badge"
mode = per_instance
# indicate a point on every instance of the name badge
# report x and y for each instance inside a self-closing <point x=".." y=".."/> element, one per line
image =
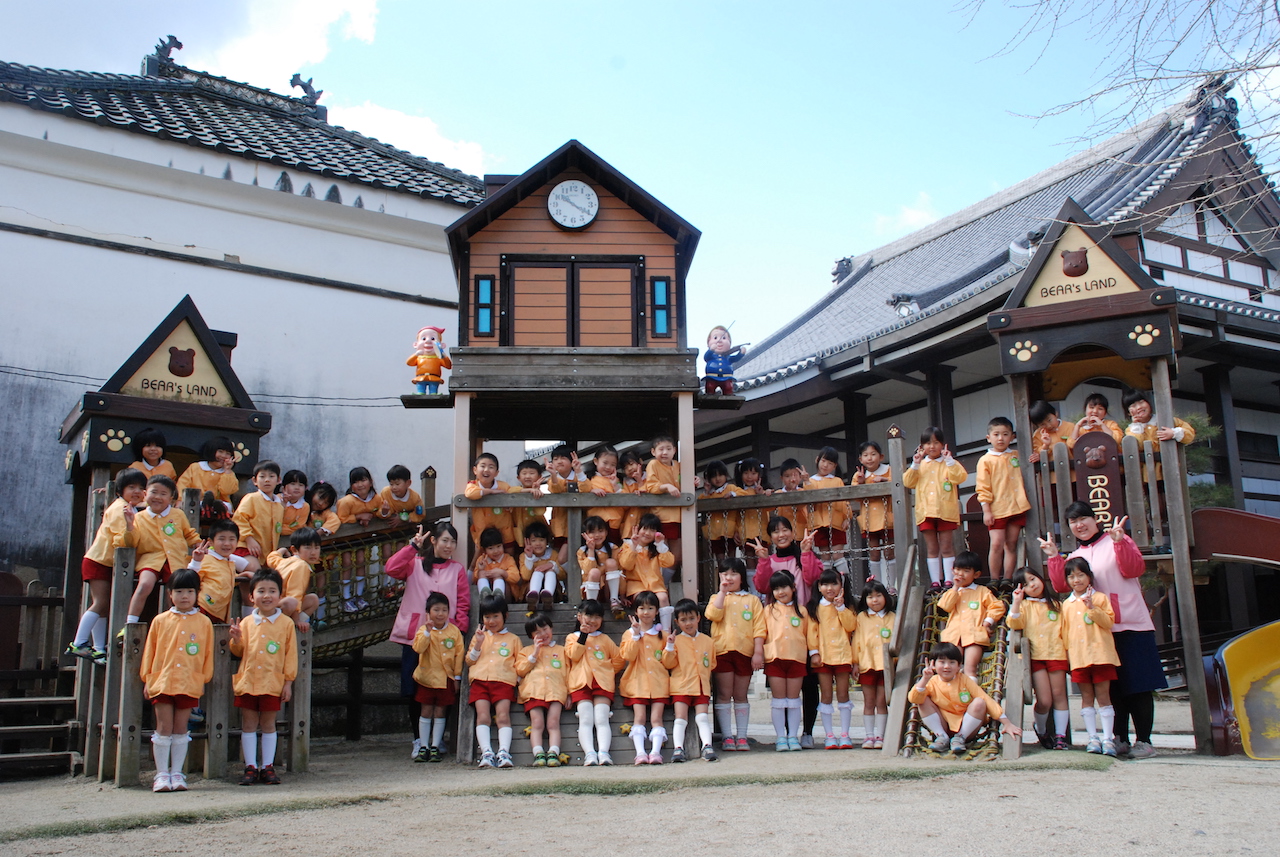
<point x="1088" y="620"/>
<point x="599" y="655"/>
<point x="965" y="696"/>
<point x="503" y="651"/>
<point x="795" y="621"/>
<point x="555" y="663"/>
<point x="169" y="529"/>
<point x="746" y="615"/>
<point x="448" y="642"/>
<point x="193" y="648"/>
<point x="272" y="647"/>
<point x="973" y="605"/>
<point x="1013" y="461"/>
<point x="706" y="660"/>
<point x="1053" y="615"/>
<point x="946" y="486"/>
<point x="886" y="633"/>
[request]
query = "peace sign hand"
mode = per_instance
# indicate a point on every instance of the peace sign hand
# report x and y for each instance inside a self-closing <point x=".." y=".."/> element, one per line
<point x="806" y="544"/>
<point x="758" y="546"/>
<point x="1049" y="546"/>
<point x="1117" y="529"/>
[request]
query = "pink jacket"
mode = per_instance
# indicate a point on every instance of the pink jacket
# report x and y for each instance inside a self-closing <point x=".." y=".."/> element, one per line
<point x="1116" y="568"/>
<point x="450" y="578"/>
<point x="810" y="566"/>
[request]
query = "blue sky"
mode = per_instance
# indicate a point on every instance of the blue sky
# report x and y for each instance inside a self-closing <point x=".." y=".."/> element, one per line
<point x="790" y="134"/>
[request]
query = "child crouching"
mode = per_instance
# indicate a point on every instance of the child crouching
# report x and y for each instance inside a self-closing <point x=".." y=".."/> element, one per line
<point x="951" y="703"/>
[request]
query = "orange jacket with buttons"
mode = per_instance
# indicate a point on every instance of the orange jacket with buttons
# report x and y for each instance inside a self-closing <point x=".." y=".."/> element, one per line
<point x="937" y="486"/>
<point x="262" y="517"/>
<point x="1042" y="625"/>
<point x="645" y="676"/>
<point x="597" y="660"/>
<point x="327" y="520"/>
<point x="827" y="515"/>
<point x="786" y="633"/>
<point x="269" y="655"/>
<point x="612" y="515"/>
<point x="159" y="539"/>
<point x="349" y="506"/>
<point x="557" y="484"/>
<point x="164" y="468"/>
<point x="217" y="580"/>
<point x="440" y="652"/>
<point x="294" y="571"/>
<point x="294" y="517"/>
<point x="523" y="516"/>
<point x="999" y="483"/>
<point x="954" y="697"/>
<point x="875" y="514"/>
<point x="482" y="517"/>
<point x="657" y="474"/>
<point x="409" y="508"/>
<point x="1088" y="631"/>
<point x="498" y="656"/>
<point x="721" y="525"/>
<point x="869" y="638"/>
<point x="642" y="571"/>
<point x="691" y="661"/>
<point x="177" y="658"/>
<point x="737" y="625"/>
<point x="970" y="606"/>
<point x="546" y="677"/>
<point x="223" y="483"/>
<point x="833" y="634"/>
<point x="110" y="534"/>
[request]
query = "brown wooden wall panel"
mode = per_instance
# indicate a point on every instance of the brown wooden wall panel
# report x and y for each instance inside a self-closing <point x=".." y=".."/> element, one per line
<point x="540" y="306"/>
<point x="605" y="313"/>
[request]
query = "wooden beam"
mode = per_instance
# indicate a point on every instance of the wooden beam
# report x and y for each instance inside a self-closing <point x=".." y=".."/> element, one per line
<point x="1219" y="402"/>
<point x="855" y="425"/>
<point x="1035" y="528"/>
<point x="689" y="514"/>
<point x="942" y="406"/>
<point x="128" y="738"/>
<point x="218" y="708"/>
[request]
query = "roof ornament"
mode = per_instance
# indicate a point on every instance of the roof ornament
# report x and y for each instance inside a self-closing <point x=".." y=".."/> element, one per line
<point x="1210" y="102"/>
<point x="904" y="304"/>
<point x="311" y="96"/>
<point x="843" y="268"/>
<point x="166" y="46"/>
<point x="161" y="59"/>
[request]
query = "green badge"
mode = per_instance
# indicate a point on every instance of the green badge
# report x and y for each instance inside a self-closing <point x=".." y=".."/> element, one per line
<point x="657" y="654"/>
<point x="1013" y="461"/>
<point x="169" y="529"/>
<point x="208" y="599"/>
<point x="973" y="605"/>
<point x="706" y="660"/>
<point x="404" y="516"/>
<point x="946" y="485"/>
<point x="272" y="647"/>
<point x="503" y="650"/>
<point x="886" y="633"/>
<point x="599" y="655"/>
<point x="317" y="523"/>
<point x="965" y="696"/>
<point x="448" y="642"/>
<point x="555" y="663"/>
<point x="1088" y="620"/>
<point x="795" y="621"/>
<point x="279" y="527"/>
<point x="1053" y="615"/>
<point x="193" y="648"/>
<point x="746" y="615"/>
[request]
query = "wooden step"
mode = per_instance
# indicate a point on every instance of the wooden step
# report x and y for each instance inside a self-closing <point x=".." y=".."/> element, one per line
<point x="31" y="701"/>
<point x="54" y="729"/>
<point x="66" y="757"/>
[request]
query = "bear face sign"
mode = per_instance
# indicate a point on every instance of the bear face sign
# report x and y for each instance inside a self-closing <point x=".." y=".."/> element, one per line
<point x="182" y="362"/>
<point x="1075" y="263"/>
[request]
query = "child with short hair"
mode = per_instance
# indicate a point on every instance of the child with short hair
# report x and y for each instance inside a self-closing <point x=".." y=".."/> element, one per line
<point x="528" y="479"/>
<point x="260" y="514"/>
<point x="631" y="466"/>
<point x="952" y="705"/>
<point x="594" y="662"/>
<point x="358" y="506"/>
<point x="690" y="656"/>
<point x="266" y="645"/>
<point x="494" y="569"/>
<point x="486" y="482"/>
<point x="1087" y="618"/>
<point x="544" y="688"/>
<point x="829" y="521"/>
<point x="974" y="612"/>
<point x="98" y="566"/>
<point x="646" y="684"/>
<point x="538" y="568"/>
<point x="1037" y="613"/>
<point x="293" y="502"/>
<point x="212" y="473"/>
<point x="875" y="516"/>
<point x="438" y="644"/>
<point x="1095" y="419"/>
<point x="1048" y="429"/>
<point x="751" y="523"/>
<point x="662" y="476"/>
<point x="738" y="631"/>
<point x="788" y="646"/>
<point x="220" y="567"/>
<point x="603" y="483"/>
<point x="295" y="565"/>
<point x="935" y="477"/>
<point x="564" y="474"/>
<point x="833" y="613"/>
<point x="161" y="536"/>
<point x="1003" y="498"/>
<point x="493" y="656"/>
<point x="793" y="476"/>
<point x="642" y="558"/>
<point x="721" y="527"/>
<point x="321" y="499"/>
<point x="596" y="559"/>
<point x="177" y="662"/>
<point x="398" y="499"/>
<point x="874" y="629"/>
<point x="152" y="442"/>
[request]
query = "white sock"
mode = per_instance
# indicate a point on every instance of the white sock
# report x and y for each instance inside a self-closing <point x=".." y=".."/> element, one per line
<point x="704" y="728"/>
<point x="846" y="717"/>
<point x="882" y="720"/>
<point x="1061" y="721"/>
<point x="585" y="724"/>
<point x="249" y="748"/>
<point x="437" y="732"/>
<point x="604" y="737"/>
<point x="1042" y="720"/>
<point x="677" y="732"/>
<point x="483" y="586"/>
<point x="1107" y="716"/>
<point x="638" y="734"/>
<point x="948" y="563"/>
<point x="160" y="749"/>
<point x="484" y="735"/>
<point x="535" y="582"/>
<point x="1090" y="715"/>
<point x="968" y="726"/>
<point x="359" y="586"/>
<point x="742" y="714"/>
<point x="553" y="750"/>
<point x="665" y="615"/>
<point x="614" y="579"/>
<point x="131" y="620"/>
<point x="935" y="568"/>
<point x="724" y="713"/>
<point x="869" y="725"/>
<point x="346" y="590"/>
<point x="268" y="749"/>
<point x="825" y="711"/>
<point x="778" y="708"/>
<point x="320" y="610"/>
<point x="500" y="585"/>
<point x="795" y="720"/>
<point x="178" y="753"/>
<point x="100" y="633"/>
<point x="592" y="590"/>
<point x="935" y="724"/>
<point x="87" y="623"/>
<point x="657" y="738"/>
<point x="504" y="738"/>
<point x="424" y="731"/>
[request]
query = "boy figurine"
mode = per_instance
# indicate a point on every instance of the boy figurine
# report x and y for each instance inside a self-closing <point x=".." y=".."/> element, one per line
<point x="264" y="641"/>
<point x="720" y="357"/>
<point x="428" y="359"/>
<point x="952" y="705"/>
<point x="295" y="564"/>
<point x="1003" y="498"/>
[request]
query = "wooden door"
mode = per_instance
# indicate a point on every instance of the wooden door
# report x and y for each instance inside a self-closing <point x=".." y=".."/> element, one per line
<point x="539" y="314"/>
<point x="606" y="313"/>
<point x="565" y="304"/>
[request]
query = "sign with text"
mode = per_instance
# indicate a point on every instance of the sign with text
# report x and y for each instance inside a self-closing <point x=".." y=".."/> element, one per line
<point x="1077" y="270"/>
<point x="180" y="370"/>
<point x="1096" y="460"/>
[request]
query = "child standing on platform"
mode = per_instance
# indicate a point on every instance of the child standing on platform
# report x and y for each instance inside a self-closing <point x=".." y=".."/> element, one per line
<point x="691" y="657"/>
<point x="260" y="515"/>
<point x="632" y="468"/>
<point x="721" y="527"/>
<point x="98" y="566"/>
<point x="787" y="648"/>
<point x="662" y="476"/>
<point x="935" y="477"/>
<point x="486" y="482"/>
<point x="952" y="704"/>
<point x="603" y="484"/>
<point x="438" y="643"/>
<point x="493" y="655"/>
<point x="751" y="523"/>
<point x="646" y="684"/>
<point x="875" y="516"/>
<point x="833" y="609"/>
<point x="161" y="536"/>
<point x="398" y="499"/>
<point x="213" y="473"/>
<point x="1095" y="419"/>
<point x="974" y="610"/>
<point x="293" y="498"/>
<point x="738" y="632"/>
<point x="564" y="475"/>
<point x="321" y="499"/>
<point x="358" y="506"/>
<point x="494" y="569"/>
<point x="829" y="521"/>
<point x="1037" y="613"/>
<point x="643" y="559"/>
<point x="220" y="567"/>
<point x="152" y="443"/>
<point x="597" y="562"/>
<point x="528" y="481"/>
<point x="177" y="662"/>
<point x="1049" y="430"/>
<point x="295" y="565"/>
<point x="793" y="476"/>
<point x="544" y="687"/>
<point x="875" y="628"/>
<point x="1088" y="618"/>
<point x="1003" y="498"/>
<point x="265" y="643"/>
<point x="594" y="662"/>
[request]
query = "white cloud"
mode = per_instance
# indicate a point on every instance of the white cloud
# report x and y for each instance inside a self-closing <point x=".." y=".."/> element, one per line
<point x="907" y="219"/>
<point x="417" y="134"/>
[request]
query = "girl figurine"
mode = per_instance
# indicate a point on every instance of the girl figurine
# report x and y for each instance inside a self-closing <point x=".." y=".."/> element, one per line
<point x="428" y="359"/>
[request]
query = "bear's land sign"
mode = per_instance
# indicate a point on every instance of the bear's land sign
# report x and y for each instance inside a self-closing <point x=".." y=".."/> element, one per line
<point x="1074" y="251"/>
<point x="179" y="371"/>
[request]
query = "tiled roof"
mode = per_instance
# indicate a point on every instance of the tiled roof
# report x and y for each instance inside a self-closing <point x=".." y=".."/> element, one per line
<point x="235" y="118"/>
<point x="983" y="246"/>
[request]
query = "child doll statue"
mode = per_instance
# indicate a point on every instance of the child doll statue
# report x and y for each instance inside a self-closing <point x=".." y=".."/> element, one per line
<point x="720" y="357"/>
<point x="428" y="359"/>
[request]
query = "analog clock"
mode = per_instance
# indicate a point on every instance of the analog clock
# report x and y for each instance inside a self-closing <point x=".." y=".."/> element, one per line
<point x="573" y="204"/>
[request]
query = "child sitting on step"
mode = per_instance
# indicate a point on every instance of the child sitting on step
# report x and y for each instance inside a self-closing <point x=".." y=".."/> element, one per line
<point x="952" y="705"/>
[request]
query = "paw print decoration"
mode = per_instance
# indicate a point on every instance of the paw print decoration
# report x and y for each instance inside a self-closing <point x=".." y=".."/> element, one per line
<point x="241" y="451"/>
<point x="1144" y="334"/>
<point x="115" y="439"/>
<point x="1023" y="350"/>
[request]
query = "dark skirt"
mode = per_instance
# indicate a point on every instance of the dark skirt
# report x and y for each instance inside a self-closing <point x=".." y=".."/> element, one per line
<point x="1139" y="670"/>
<point x="408" y="663"/>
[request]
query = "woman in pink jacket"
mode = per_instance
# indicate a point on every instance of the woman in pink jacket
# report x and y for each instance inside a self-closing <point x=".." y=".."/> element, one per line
<point x="445" y="575"/>
<point x="1117" y="566"/>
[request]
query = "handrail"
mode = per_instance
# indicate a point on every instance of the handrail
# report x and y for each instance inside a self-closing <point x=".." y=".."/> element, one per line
<point x="572" y="500"/>
<point x="794" y="498"/>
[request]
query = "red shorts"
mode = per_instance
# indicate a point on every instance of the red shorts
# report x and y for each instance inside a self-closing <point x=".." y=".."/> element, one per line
<point x="937" y="525"/>
<point x="785" y="669"/>
<point x="241" y="551"/>
<point x="671" y="530"/>
<point x="587" y="694"/>
<point x="491" y="691"/>
<point x="733" y="662"/>
<point x="871" y="678"/>
<point x="1051" y="666"/>
<point x="177" y="700"/>
<point x="217" y="620"/>
<point x="90" y="570"/>
<point x="631" y="701"/>
<point x="1094" y="673"/>
<point x="257" y="703"/>
<point x="614" y="537"/>
<point x="163" y="574"/>
<point x="558" y="542"/>
<point x="828" y="538"/>
<point x="885" y="535"/>
<point x="1019" y="520"/>
<point x="834" y="669"/>
<point x="443" y="696"/>
<point x="540" y="703"/>
<point x="691" y="700"/>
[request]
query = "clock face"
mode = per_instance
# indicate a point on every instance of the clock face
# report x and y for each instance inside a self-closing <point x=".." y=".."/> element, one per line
<point x="573" y="204"/>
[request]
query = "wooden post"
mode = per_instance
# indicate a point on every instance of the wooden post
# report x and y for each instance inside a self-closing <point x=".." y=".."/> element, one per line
<point x="1036" y="527"/>
<point x="428" y="477"/>
<point x="1062" y="488"/>
<point x="89" y="676"/>
<point x="1135" y="507"/>
<point x="463" y="438"/>
<point x="121" y="592"/>
<point x="129" y="737"/>
<point x="1015" y="677"/>
<point x="573" y="572"/>
<point x="903" y="515"/>
<point x="906" y="640"/>
<point x="1179" y="524"/>
<point x="688" y="514"/>
<point x="219" y="713"/>
<point x="300" y="708"/>
<point x="355" y="696"/>
<point x="1153" y="491"/>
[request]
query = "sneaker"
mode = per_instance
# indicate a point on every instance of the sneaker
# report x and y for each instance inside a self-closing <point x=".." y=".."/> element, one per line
<point x="1094" y="746"/>
<point x="590" y="760"/>
<point x="161" y="782"/>
<point x="177" y="782"/>
<point x="269" y="775"/>
<point x="84" y="650"/>
<point x="792" y="743"/>
<point x="846" y="743"/>
<point x="869" y="743"/>
<point x="729" y="745"/>
<point x="655" y="758"/>
<point x="606" y="760"/>
<point x="1109" y="748"/>
<point x="936" y="586"/>
<point x="1046" y="740"/>
<point x="548" y="602"/>
<point x="743" y="744"/>
<point x="806" y="742"/>
<point x="781" y="745"/>
<point x="832" y="743"/>
<point x="100" y="657"/>
<point x="641" y="759"/>
<point x="196" y="716"/>
<point x="413" y="754"/>
<point x="250" y="776"/>
<point x="1123" y="747"/>
<point x="349" y="606"/>
<point x="532" y="603"/>
<point x="1141" y="750"/>
<point x="504" y="759"/>
<point x="957" y="745"/>
<point x="539" y="760"/>
<point x="422" y="755"/>
<point x="709" y="754"/>
<point x="1060" y="743"/>
<point x="879" y="745"/>
<point x="553" y="760"/>
<point x="941" y="744"/>
<point x="677" y="756"/>
<point x="486" y="760"/>
<point x="361" y="604"/>
<point x="435" y="755"/>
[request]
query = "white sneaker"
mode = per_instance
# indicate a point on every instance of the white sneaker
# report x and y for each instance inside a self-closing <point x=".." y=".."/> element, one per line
<point x="417" y="744"/>
<point x="178" y="782"/>
<point x="504" y="759"/>
<point x="606" y="759"/>
<point x="590" y="760"/>
<point x="941" y="744"/>
<point x="1141" y="750"/>
<point x="487" y="760"/>
<point x="161" y="782"/>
